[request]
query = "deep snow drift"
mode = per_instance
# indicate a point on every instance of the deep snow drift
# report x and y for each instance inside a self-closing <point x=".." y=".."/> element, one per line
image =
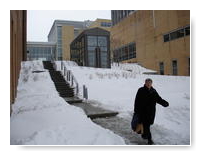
<point x="115" y="89"/>
<point x="41" y="117"/>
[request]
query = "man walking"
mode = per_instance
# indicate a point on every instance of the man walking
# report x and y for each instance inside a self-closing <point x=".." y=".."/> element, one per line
<point x="145" y="107"/>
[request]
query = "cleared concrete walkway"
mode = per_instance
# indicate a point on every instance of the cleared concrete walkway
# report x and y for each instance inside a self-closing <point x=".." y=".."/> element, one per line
<point x="91" y="110"/>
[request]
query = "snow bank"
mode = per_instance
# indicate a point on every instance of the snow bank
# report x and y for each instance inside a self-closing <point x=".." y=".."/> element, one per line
<point x="41" y="117"/>
<point x="133" y="67"/>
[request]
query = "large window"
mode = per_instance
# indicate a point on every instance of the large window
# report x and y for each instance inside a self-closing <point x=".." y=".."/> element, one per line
<point x="125" y="52"/>
<point x="91" y="46"/>
<point x="94" y="43"/>
<point x="177" y="34"/>
<point x="102" y="43"/>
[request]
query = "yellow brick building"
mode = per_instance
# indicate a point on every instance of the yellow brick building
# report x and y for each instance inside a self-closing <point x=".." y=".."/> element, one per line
<point x="159" y="40"/>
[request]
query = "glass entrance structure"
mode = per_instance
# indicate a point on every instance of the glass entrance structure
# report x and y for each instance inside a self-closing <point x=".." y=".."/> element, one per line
<point x="92" y="48"/>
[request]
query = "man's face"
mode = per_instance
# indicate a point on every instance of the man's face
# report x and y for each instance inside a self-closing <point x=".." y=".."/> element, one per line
<point x="148" y="84"/>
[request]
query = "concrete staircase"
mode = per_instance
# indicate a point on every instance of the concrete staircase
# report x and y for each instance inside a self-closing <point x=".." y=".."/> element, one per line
<point x="61" y="85"/>
<point x="67" y="93"/>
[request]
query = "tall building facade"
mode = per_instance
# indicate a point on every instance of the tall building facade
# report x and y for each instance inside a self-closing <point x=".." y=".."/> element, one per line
<point x="18" y="32"/>
<point x="159" y="40"/>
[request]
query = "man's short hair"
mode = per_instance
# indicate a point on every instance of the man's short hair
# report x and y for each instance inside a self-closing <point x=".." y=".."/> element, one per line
<point x="148" y="80"/>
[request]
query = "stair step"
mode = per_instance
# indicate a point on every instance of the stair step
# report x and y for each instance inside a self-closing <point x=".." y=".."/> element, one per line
<point x="60" y="83"/>
<point x="68" y="90"/>
<point x="72" y="100"/>
<point x="66" y="93"/>
<point x="67" y="96"/>
<point x="63" y="88"/>
<point x="103" y="115"/>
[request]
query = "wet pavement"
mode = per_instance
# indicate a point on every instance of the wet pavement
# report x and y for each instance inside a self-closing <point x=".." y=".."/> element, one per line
<point x="121" y="127"/>
<point x="109" y="120"/>
<point x="93" y="111"/>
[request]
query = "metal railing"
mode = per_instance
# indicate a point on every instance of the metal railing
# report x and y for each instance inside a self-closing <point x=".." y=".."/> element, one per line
<point x="70" y="78"/>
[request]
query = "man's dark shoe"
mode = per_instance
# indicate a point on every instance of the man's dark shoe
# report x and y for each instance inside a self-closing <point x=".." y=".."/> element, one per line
<point x="144" y="136"/>
<point x="150" y="142"/>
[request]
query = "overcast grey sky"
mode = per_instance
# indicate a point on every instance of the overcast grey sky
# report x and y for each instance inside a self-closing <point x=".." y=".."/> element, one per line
<point x="39" y="22"/>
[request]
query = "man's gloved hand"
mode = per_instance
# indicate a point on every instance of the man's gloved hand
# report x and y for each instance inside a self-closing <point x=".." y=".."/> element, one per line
<point x="165" y="103"/>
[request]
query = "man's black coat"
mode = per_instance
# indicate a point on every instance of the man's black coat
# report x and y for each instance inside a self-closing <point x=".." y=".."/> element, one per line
<point x="145" y="104"/>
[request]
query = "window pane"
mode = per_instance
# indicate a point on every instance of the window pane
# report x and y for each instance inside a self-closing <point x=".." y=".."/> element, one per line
<point x="103" y="48"/>
<point x="161" y="68"/>
<point x="166" y="37"/>
<point x="174" y="67"/>
<point x="187" y="30"/>
<point x="103" y="59"/>
<point x="123" y="53"/>
<point x="91" y="58"/>
<point x="59" y="31"/>
<point x="126" y="52"/>
<point x="92" y="40"/>
<point x="173" y="35"/>
<point x="102" y="41"/>
<point x="91" y="48"/>
<point x="180" y="33"/>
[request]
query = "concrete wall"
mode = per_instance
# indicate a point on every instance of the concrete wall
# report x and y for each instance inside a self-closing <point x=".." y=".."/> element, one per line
<point x="146" y="29"/>
<point x="17" y="48"/>
<point x="67" y="38"/>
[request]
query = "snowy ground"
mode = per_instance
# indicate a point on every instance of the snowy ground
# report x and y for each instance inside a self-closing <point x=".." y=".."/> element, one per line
<point x="41" y="117"/>
<point x="115" y="89"/>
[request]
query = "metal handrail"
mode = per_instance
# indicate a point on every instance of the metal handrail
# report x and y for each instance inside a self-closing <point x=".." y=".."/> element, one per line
<point x="70" y="78"/>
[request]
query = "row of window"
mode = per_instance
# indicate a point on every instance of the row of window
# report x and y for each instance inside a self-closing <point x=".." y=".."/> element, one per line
<point x="41" y="52"/>
<point x="174" y="67"/>
<point x="45" y="50"/>
<point x="124" y="53"/>
<point x="177" y="34"/>
<point x="106" y="24"/>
